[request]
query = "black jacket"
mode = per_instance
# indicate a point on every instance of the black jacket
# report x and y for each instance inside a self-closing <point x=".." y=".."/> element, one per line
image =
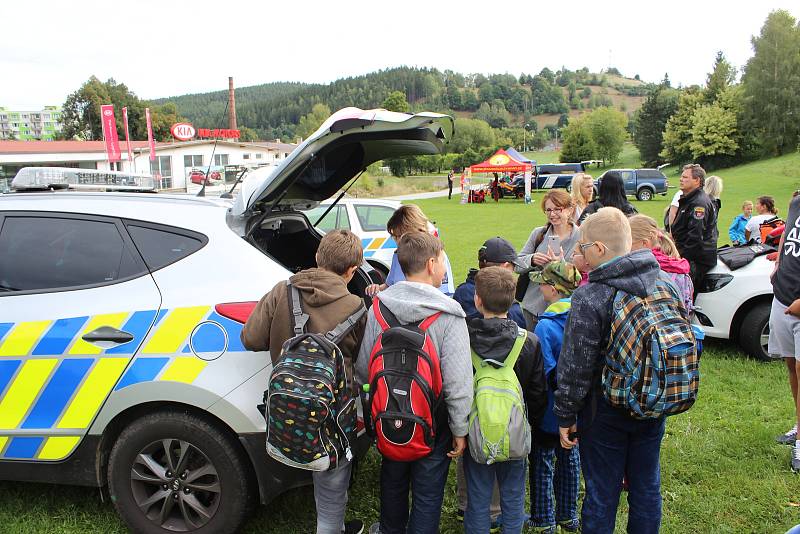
<point x="588" y="328"/>
<point x="627" y="209"/>
<point x="695" y="228"/>
<point x="493" y="338"/>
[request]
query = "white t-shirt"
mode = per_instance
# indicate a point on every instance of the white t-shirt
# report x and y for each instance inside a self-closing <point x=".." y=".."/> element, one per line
<point x="753" y="225"/>
<point x="676" y="198"/>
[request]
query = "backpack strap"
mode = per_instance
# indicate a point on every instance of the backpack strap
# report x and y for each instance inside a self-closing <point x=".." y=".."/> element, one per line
<point x="384" y="315"/>
<point x="425" y="324"/>
<point x="341" y="329"/>
<point x="511" y="359"/>
<point x="299" y="318"/>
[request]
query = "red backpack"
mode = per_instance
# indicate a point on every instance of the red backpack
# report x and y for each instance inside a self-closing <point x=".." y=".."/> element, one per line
<point x="405" y="387"/>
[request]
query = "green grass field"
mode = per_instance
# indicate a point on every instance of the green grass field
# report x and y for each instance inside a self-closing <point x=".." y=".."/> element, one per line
<point x="722" y="471"/>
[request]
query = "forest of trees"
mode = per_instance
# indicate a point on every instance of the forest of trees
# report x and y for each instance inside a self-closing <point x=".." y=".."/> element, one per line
<point x="729" y="119"/>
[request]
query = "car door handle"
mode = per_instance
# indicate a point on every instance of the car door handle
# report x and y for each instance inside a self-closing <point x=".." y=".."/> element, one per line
<point x="109" y="334"/>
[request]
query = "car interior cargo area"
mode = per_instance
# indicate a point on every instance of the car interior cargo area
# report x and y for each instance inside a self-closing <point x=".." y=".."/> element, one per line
<point x="292" y="242"/>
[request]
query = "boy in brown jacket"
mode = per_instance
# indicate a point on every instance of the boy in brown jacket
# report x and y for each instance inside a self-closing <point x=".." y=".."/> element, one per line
<point x="327" y="302"/>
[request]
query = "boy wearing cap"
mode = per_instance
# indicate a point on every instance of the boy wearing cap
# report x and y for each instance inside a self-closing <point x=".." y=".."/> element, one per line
<point x="551" y="466"/>
<point x="494" y="252"/>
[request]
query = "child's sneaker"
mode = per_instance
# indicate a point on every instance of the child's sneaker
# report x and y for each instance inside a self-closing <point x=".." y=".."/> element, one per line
<point x="788" y="438"/>
<point x="796" y="459"/>
<point x="550" y="529"/>
<point x="573" y="525"/>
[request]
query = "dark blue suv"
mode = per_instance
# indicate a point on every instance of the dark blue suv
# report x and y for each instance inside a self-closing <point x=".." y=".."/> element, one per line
<point x="641" y="183"/>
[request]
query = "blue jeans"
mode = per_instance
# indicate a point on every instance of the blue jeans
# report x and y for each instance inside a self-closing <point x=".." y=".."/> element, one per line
<point x="426" y="478"/>
<point x="480" y="486"/>
<point x="614" y="445"/>
<point x="554" y="471"/>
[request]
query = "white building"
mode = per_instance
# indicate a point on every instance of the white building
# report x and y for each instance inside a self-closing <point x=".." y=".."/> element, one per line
<point x="173" y="164"/>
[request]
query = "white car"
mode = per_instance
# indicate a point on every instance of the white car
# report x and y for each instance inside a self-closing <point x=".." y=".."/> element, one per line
<point x="736" y="304"/>
<point x="366" y="218"/>
<point x="121" y="364"/>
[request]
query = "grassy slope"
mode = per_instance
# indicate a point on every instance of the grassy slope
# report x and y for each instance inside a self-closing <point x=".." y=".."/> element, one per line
<point x="722" y="472"/>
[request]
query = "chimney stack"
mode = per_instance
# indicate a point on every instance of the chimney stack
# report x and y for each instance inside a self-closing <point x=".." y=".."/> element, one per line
<point x="231" y="105"/>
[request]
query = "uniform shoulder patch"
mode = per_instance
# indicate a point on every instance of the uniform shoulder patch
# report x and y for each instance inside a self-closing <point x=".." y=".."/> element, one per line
<point x="699" y="212"/>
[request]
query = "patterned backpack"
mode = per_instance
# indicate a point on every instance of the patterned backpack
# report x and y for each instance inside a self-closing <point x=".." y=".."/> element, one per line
<point x="498" y="421"/>
<point x="652" y="362"/>
<point x="405" y="387"/>
<point x="310" y="411"/>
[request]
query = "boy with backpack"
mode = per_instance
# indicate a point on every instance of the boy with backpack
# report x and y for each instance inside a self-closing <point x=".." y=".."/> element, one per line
<point x="510" y="397"/>
<point x="553" y="467"/>
<point x="414" y="363"/>
<point x="316" y="301"/>
<point x="628" y="360"/>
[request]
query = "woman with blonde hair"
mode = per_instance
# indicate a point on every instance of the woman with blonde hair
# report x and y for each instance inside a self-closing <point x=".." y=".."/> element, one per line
<point x="553" y="241"/>
<point x="713" y="188"/>
<point x="646" y="234"/>
<point x="582" y="191"/>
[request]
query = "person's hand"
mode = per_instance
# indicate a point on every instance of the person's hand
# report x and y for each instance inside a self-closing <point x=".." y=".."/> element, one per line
<point x="541" y="258"/>
<point x="793" y="309"/>
<point x="556" y="256"/>
<point x="563" y="434"/>
<point x="459" y="444"/>
<point x="374" y="289"/>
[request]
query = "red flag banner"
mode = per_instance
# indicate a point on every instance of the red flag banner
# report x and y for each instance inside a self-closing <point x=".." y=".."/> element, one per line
<point x="110" y="133"/>
<point x="150" y="140"/>
<point x="127" y="135"/>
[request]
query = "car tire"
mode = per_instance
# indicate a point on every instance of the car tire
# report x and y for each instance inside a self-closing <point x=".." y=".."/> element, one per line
<point x="754" y="332"/>
<point x="209" y="492"/>
<point x="644" y="194"/>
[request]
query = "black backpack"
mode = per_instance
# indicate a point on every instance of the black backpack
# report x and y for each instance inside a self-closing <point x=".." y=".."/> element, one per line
<point x="310" y="411"/>
<point x="737" y="257"/>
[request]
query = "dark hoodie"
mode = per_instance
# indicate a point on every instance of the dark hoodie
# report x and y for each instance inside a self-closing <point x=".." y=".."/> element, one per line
<point x="587" y="330"/>
<point x="493" y="339"/>
<point x="325" y="299"/>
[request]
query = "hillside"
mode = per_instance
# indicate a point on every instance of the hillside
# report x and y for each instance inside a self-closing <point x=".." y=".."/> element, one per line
<point x="274" y="109"/>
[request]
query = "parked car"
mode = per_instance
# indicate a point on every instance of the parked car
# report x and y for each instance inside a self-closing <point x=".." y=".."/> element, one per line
<point x="735" y="305"/>
<point x="196" y="177"/>
<point x="121" y="364"/>
<point x="641" y="183"/>
<point x="555" y="175"/>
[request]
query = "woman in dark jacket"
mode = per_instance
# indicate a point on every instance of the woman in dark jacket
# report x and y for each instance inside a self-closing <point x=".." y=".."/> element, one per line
<point x="611" y="193"/>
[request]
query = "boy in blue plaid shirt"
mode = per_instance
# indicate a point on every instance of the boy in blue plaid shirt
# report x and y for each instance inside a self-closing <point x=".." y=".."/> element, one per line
<point x="551" y="466"/>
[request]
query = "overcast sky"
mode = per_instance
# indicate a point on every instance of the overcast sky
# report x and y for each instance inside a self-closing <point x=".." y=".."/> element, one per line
<point x="165" y="48"/>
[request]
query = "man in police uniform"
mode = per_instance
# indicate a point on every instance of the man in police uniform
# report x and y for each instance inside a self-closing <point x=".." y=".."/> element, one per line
<point x="695" y="227"/>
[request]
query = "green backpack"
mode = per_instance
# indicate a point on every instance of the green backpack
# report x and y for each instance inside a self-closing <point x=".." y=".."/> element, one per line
<point x="498" y="421"/>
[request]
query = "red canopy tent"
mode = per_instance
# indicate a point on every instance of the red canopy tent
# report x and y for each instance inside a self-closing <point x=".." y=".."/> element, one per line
<point x="502" y="161"/>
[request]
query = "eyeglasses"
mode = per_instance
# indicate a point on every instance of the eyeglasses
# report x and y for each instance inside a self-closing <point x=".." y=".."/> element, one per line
<point x="583" y="246"/>
<point x="548" y="211"/>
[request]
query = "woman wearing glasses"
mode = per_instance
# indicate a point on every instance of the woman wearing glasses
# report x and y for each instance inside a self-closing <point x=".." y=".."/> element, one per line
<point x="553" y="241"/>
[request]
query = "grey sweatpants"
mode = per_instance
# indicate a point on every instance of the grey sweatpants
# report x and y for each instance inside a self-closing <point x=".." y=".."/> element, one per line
<point x="330" y="494"/>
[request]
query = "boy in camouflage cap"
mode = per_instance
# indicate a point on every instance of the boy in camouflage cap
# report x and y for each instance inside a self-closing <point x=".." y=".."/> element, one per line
<point x="550" y="462"/>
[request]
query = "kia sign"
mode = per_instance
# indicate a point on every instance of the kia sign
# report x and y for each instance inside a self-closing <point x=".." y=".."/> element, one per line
<point x="182" y="131"/>
<point x="218" y="132"/>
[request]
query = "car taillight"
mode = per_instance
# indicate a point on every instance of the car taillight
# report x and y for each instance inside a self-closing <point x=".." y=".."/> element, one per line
<point x="236" y="311"/>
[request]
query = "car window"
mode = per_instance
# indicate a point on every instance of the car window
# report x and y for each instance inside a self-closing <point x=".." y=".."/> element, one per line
<point x="373" y="218"/>
<point x="650" y="174"/>
<point x="39" y="253"/>
<point x="626" y="175"/>
<point x="328" y="223"/>
<point x="342" y="219"/>
<point x="161" y="247"/>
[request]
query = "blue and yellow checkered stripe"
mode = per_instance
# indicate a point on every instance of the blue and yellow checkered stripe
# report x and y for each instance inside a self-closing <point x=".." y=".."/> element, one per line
<point x="374" y="244"/>
<point x="53" y="381"/>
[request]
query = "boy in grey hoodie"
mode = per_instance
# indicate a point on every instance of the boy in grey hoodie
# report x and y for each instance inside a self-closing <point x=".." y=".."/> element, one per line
<point x="422" y="259"/>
